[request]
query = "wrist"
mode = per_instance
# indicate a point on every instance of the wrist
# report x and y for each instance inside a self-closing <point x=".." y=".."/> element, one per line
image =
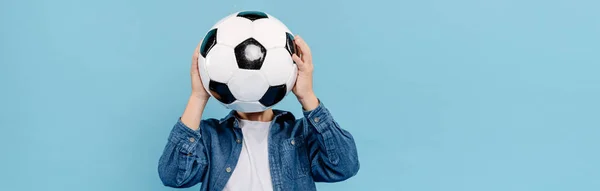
<point x="309" y="102"/>
<point x="199" y="97"/>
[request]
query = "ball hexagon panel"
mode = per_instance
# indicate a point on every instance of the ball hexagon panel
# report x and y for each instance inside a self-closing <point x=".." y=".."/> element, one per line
<point x="292" y="79"/>
<point x="221" y="92"/>
<point x="233" y="31"/>
<point x="273" y="95"/>
<point x="270" y="33"/>
<point x="203" y="73"/>
<point x="253" y="106"/>
<point x="218" y="23"/>
<point x="278" y="66"/>
<point x="220" y="63"/>
<point x="271" y="17"/>
<point x="250" y="54"/>
<point x="252" y="15"/>
<point x="244" y="79"/>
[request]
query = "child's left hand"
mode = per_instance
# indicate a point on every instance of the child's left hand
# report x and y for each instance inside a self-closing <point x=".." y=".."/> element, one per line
<point x="303" y="89"/>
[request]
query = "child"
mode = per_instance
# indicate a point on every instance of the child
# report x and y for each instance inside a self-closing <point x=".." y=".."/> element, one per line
<point x="268" y="150"/>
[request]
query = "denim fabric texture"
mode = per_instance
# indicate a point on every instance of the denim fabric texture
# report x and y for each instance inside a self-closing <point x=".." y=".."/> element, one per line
<point x="301" y="152"/>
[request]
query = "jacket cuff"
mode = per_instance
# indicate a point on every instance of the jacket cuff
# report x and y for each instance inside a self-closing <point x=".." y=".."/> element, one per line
<point x="320" y="118"/>
<point x="184" y="137"/>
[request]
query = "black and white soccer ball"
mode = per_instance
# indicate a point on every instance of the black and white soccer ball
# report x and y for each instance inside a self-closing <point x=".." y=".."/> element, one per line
<point x="246" y="61"/>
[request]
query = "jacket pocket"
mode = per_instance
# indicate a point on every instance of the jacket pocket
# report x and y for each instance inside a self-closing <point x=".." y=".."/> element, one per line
<point x="294" y="157"/>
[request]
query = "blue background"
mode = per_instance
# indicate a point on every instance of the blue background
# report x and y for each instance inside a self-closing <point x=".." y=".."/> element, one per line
<point x="459" y="95"/>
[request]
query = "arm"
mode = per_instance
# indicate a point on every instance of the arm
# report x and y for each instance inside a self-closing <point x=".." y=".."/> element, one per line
<point x="332" y="150"/>
<point x="184" y="159"/>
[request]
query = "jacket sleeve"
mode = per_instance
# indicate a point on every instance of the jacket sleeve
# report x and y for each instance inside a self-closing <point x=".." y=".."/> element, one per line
<point x="332" y="150"/>
<point x="184" y="159"/>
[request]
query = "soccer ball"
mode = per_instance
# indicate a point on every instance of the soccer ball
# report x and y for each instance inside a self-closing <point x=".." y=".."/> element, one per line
<point x="246" y="61"/>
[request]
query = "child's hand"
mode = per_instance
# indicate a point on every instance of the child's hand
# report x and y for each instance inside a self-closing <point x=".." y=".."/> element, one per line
<point x="303" y="89"/>
<point x="198" y="90"/>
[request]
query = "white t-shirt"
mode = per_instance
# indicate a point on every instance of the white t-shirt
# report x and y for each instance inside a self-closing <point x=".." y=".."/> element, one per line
<point x="252" y="172"/>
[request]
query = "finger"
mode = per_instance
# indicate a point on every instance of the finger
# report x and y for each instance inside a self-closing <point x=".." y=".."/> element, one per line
<point x="195" y="58"/>
<point x="303" y="47"/>
<point x="298" y="61"/>
<point x="198" y="46"/>
<point x="197" y="51"/>
<point x="298" y="50"/>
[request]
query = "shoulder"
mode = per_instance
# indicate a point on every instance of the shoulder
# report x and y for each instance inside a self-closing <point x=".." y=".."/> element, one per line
<point x="286" y="117"/>
<point x="215" y="123"/>
<point x="312" y="117"/>
<point x="289" y="124"/>
<point x="209" y="123"/>
<point x="214" y="126"/>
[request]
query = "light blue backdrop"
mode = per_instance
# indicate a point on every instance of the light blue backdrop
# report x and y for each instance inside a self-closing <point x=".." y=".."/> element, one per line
<point x="459" y="95"/>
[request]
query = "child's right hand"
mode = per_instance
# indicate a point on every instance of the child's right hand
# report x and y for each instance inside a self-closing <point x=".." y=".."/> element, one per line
<point x="198" y="90"/>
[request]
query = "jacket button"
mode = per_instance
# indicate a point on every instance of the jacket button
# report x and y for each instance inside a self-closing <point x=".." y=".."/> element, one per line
<point x="316" y="119"/>
<point x="238" y="141"/>
<point x="228" y="169"/>
<point x="293" y="142"/>
<point x="192" y="139"/>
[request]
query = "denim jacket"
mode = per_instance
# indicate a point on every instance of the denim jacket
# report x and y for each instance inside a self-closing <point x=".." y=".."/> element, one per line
<point x="301" y="152"/>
